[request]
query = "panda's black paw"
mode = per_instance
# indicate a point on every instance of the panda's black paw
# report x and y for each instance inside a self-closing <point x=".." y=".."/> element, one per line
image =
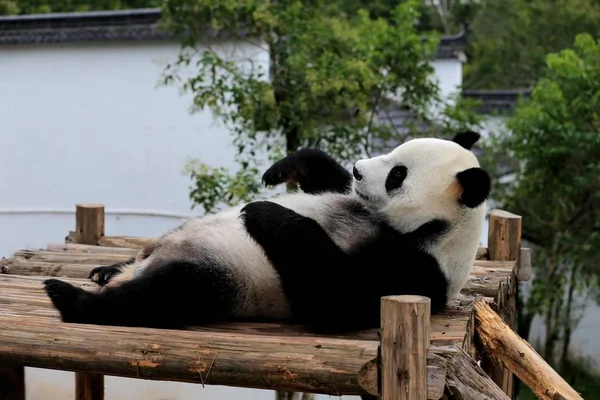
<point x="280" y="172"/>
<point x="70" y="301"/>
<point x="264" y="220"/>
<point x="103" y="274"/>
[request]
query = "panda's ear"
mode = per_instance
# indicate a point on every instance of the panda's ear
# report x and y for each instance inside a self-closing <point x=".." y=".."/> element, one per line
<point x="466" y="139"/>
<point x="474" y="186"/>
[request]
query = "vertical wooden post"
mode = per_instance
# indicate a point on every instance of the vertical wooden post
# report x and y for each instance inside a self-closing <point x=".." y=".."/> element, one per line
<point x="405" y="333"/>
<point x="504" y="244"/>
<point x="12" y="382"/>
<point x="89" y="228"/>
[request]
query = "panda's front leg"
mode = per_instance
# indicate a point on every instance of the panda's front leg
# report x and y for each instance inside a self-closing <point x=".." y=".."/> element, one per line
<point x="312" y="268"/>
<point x="312" y="169"/>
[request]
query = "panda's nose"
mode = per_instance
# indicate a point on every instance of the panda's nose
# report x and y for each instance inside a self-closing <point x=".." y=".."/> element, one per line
<point x="356" y="174"/>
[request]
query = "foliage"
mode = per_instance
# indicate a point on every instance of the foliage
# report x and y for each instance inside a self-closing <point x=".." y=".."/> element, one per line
<point x="510" y="39"/>
<point x="555" y="136"/>
<point x="327" y="74"/>
<point x="9" y="7"/>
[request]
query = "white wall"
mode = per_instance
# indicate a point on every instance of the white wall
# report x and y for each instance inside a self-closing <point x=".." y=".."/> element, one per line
<point x="87" y="123"/>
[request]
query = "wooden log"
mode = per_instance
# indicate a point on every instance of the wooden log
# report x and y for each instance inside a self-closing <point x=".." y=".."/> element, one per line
<point x="404" y="343"/>
<point x="314" y="365"/>
<point x="12" y="382"/>
<point x="85" y="248"/>
<point x="89" y="229"/>
<point x="466" y="380"/>
<point x="504" y="244"/>
<point x="132" y="242"/>
<point x="504" y="346"/>
<point x="70" y="258"/>
<point x="89" y="386"/>
<point x="20" y="267"/>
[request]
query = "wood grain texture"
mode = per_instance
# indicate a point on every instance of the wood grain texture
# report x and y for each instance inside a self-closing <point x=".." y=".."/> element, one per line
<point x="315" y="365"/>
<point x="466" y="380"/>
<point x="404" y="343"/>
<point x="89" y="223"/>
<point x="504" y="346"/>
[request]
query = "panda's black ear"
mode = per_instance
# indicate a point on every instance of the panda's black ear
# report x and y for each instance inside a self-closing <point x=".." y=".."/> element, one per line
<point x="466" y="139"/>
<point x="475" y="184"/>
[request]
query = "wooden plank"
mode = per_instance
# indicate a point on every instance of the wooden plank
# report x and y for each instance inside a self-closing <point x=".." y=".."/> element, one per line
<point x="86" y="248"/>
<point x="70" y="258"/>
<point x="314" y="365"/>
<point x="404" y="343"/>
<point x="506" y="347"/>
<point x="89" y="229"/>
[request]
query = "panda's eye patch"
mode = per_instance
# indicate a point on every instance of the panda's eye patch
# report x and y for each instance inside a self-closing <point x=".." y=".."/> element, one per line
<point x="395" y="178"/>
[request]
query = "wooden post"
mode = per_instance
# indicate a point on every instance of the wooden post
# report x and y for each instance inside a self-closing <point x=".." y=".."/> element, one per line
<point x="89" y="229"/>
<point x="504" y="244"/>
<point x="12" y="382"/>
<point x="405" y="333"/>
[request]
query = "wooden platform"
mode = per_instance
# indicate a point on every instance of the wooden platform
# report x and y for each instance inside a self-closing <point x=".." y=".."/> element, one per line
<point x="259" y="355"/>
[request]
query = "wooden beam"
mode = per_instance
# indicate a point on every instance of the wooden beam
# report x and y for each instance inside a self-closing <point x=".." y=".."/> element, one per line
<point x="12" y="382"/>
<point x="300" y="364"/>
<point x="89" y="229"/>
<point x="504" y="244"/>
<point x="504" y="346"/>
<point x="404" y="343"/>
<point x="466" y="380"/>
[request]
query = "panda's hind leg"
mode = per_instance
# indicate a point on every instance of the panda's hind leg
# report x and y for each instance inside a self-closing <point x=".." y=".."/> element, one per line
<point x="172" y="295"/>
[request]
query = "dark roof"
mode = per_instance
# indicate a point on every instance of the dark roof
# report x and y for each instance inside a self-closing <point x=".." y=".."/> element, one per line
<point x="496" y="101"/>
<point x="120" y="25"/>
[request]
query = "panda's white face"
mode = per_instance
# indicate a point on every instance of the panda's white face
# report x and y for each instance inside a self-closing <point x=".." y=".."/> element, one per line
<point x="417" y="182"/>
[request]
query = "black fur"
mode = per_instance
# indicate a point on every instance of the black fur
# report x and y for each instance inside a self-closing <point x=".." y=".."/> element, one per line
<point x="466" y="139"/>
<point x="171" y="295"/>
<point x="313" y="170"/>
<point x="476" y="184"/>
<point x="395" y="178"/>
<point x="107" y="272"/>
<point x="328" y="290"/>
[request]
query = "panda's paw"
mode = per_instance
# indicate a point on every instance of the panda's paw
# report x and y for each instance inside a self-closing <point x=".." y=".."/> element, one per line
<point x="280" y="172"/>
<point x="70" y="301"/>
<point x="464" y="300"/>
<point x="103" y="274"/>
<point x="265" y="219"/>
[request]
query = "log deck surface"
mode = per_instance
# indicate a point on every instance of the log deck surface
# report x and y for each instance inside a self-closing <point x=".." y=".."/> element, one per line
<point x="31" y="333"/>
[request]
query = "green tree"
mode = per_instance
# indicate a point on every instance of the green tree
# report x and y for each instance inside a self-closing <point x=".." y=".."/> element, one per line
<point x="509" y="39"/>
<point x="328" y="74"/>
<point x="555" y="139"/>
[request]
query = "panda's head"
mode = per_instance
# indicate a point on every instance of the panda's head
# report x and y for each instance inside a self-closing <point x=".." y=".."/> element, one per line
<point x="423" y="179"/>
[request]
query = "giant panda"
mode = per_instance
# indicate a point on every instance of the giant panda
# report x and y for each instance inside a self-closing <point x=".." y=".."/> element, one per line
<point x="407" y="222"/>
